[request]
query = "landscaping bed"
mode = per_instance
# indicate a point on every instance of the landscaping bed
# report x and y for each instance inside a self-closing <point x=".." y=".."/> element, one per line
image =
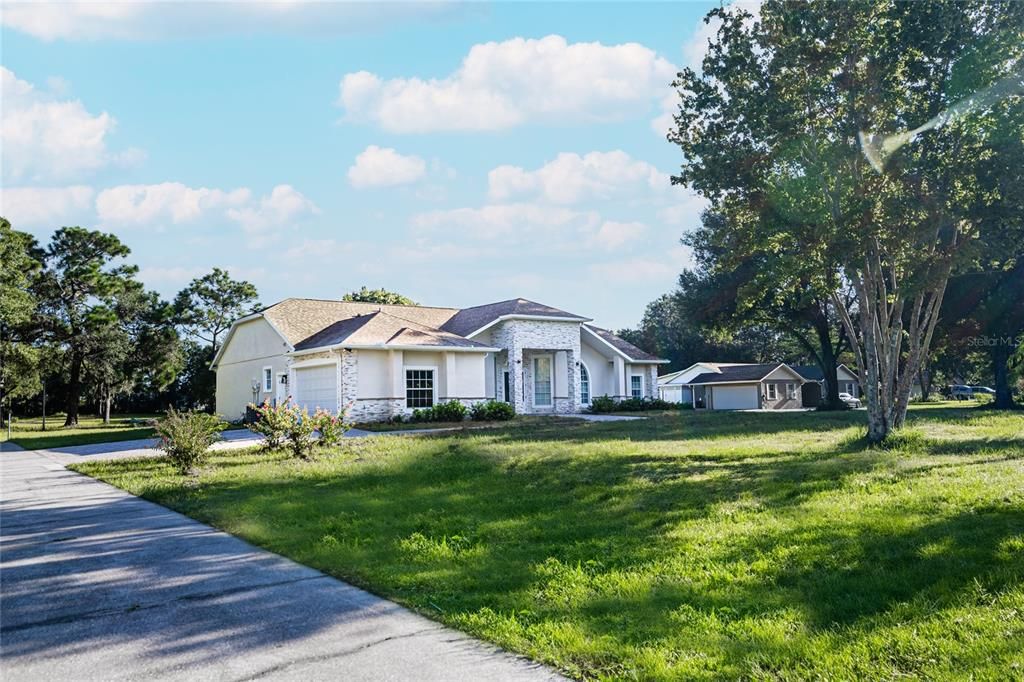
<point x="691" y="546"/>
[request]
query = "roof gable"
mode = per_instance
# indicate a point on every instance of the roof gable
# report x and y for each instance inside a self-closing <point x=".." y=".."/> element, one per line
<point x="300" y="318"/>
<point x="468" y="321"/>
<point x="622" y="346"/>
<point x="383" y="329"/>
<point x="738" y="373"/>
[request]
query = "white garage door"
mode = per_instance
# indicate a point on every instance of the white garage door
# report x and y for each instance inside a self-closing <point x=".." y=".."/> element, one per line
<point x="734" y="397"/>
<point x="316" y="387"/>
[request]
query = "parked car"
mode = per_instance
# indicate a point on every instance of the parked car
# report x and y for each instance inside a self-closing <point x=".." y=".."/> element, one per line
<point x="983" y="389"/>
<point x="849" y="400"/>
<point x="961" y="392"/>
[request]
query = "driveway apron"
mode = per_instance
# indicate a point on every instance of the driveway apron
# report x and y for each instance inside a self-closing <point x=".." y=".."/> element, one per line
<point x="96" y="584"/>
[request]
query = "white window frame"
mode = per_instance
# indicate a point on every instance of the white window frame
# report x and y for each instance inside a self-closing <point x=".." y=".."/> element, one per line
<point x="551" y="379"/>
<point x="791" y="391"/>
<point x="771" y="391"/>
<point x="584" y="368"/>
<point x="642" y="385"/>
<point x="433" y="383"/>
<point x="849" y="388"/>
<point x="268" y="386"/>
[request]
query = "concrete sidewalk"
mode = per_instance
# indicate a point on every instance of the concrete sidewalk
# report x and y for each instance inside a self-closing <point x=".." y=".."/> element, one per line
<point x="99" y="585"/>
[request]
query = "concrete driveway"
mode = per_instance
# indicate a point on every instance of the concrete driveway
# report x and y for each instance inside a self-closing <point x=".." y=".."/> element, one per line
<point x="96" y="584"/>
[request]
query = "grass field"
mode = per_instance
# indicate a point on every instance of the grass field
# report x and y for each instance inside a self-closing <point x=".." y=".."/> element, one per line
<point x="467" y="425"/>
<point x="29" y="434"/>
<point x="692" y="546"/>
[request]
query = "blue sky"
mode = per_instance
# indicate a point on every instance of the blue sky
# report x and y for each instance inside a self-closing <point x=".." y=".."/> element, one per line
<point x="460" y="154"/>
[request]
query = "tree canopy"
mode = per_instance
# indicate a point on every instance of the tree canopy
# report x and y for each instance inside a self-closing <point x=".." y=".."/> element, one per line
<point x="382" y="296"/>
<point x="782" y="130"/>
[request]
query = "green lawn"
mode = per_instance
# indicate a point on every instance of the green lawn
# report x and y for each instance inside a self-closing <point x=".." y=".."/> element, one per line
<point x="691" y="546"/>
<point x="29" y="434"/>
<point x="519" y="421"/>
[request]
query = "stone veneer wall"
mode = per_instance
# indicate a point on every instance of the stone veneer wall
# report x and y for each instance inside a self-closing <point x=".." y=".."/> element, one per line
<point x="518" y="336"/>
<point x="651" y="382"/>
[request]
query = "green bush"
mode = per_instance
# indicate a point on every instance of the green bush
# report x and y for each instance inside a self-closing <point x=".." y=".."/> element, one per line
<point x="602" y="403"/>
<point x="492" y="410"/>
<point x="271" y="423"/>
<point x="451" y="411"/>
<point x="606" y="404"/>
<point x="186" y="437"/>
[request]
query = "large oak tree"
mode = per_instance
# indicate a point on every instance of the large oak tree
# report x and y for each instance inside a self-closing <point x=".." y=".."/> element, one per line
<point x="798" y="123"/>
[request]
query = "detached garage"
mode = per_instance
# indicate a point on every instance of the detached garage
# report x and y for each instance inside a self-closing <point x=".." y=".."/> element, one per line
<point x="742" y="397"/>
<point x="748" y="387"/>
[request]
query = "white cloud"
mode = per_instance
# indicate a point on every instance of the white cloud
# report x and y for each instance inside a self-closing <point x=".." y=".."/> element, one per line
<point x="284" y="205"/>
<point x="47" y="206"/>
<point x="501" y="85"/>
<point x="175" y="203"/>
<point x="168" y="201"/>
<point x="93" y="20"/>
<point x="385" y="167"/>
<point x="685" y="213"/>
<point x="46" y="138"/>
<point x="507" y="220"/>
<point x="665" y="121"/>
<point x="570" y="178"/>
<point x="612" y="235"/>
<point x="636" y="270"/>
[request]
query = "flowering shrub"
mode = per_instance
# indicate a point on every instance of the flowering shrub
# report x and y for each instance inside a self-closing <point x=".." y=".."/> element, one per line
<point x="330" y="426"/>
<point x="292" y="426"/>
<point x="271" y="423"/>
<point x="186" y="436"/>
<point x="298" y="432"/>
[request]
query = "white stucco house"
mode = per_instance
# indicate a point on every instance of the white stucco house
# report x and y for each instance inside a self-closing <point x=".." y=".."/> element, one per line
<point x="734" y="386"/>
<point x="381" y="361"/>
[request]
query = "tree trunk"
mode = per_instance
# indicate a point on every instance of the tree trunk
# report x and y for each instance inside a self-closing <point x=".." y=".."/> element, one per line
<point x="1000" y="355"/>
<point x="924" y="380"/>
<point x="106" y="407"/>
<point x="74" y="389"/>
<point x="830" y="368"/>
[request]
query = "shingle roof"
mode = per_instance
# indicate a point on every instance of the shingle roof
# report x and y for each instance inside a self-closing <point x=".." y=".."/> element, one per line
<point x="314" y="323"/>
<point x="809" y="372"/>
<point x="468" y="320"/>
<point x="382" y="328"/>
<point x="735" y="373"/>
<point x="631" y="351"/>
<point x="299" y="318"/>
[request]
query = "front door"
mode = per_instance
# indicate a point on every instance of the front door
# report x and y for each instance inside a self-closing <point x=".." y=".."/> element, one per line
<point x="281" y="391"/>
<point x="542" y="385"/>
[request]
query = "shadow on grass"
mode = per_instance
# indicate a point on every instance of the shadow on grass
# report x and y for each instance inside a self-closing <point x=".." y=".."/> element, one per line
<point x="632" y="545"/>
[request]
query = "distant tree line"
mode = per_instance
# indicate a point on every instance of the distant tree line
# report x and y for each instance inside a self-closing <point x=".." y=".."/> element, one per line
<point x="864" y="165"/>
<point x="79" y="330"/>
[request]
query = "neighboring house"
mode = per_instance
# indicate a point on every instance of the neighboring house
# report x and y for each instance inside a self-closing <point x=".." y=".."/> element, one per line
<point x="814" y="390"/>
<point x="382" y="361"/>
<point x="734" y="386"/>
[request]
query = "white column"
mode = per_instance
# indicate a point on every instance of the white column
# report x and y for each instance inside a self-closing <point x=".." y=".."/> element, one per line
<point x="450" y="387"/>
<point x="620" y="377"/>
